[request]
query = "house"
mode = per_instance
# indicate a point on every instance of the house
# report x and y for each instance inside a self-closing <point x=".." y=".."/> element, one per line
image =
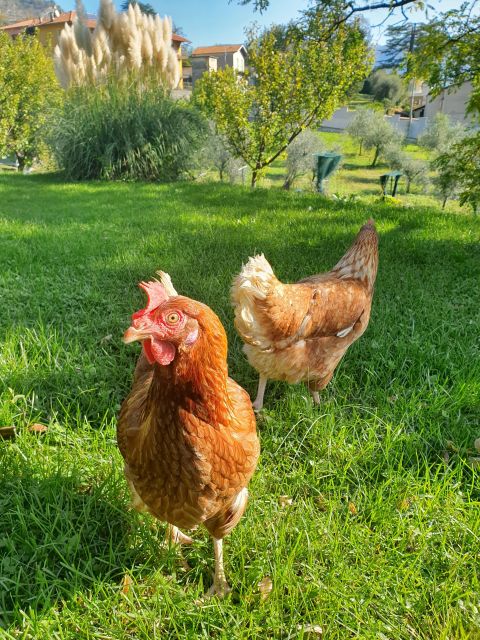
<point x="452" y="103"/>
<point x="48" y="29"/>
<point x="217" y="57"/>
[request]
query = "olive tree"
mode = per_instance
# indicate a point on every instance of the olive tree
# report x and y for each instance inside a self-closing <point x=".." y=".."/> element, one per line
<point x="300" y="156"/>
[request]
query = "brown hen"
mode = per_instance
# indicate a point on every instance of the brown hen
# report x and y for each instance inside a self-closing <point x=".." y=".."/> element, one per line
<point x="299" y="332"/>
<point x="186" y="431"/>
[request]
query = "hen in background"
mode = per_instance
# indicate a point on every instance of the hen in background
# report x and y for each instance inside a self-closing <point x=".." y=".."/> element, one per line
<point x="300" y="332"/>
<point x="187" y="431"/>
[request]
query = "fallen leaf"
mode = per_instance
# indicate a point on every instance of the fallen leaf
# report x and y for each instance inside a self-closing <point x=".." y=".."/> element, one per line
<point x="393" y="398"/>
<point x="265" y="587"/>
<point x="106" y="338"/>
<point x="451" y="446"/>
<point x="352" y="508"/>
<point x="310" y="629"/>
<point x="321" y="502"/>
<point x="126" y="584"/>
<point x="37" y="428"/>
<point x="7" y="432"/>
<point x="285" y="501"/>
<point x="476" y="444"/>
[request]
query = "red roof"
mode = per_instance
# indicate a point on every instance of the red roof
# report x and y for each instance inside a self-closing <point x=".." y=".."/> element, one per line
<point x="69" y="16"/>
<point x="17" y="27"/>
<point x="217" y="49"/>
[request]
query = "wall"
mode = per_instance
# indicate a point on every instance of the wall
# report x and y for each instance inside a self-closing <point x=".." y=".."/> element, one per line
<point x="342" y="118"/>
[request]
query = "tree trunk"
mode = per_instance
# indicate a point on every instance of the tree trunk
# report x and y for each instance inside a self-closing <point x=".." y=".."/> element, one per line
<point x="220" y="171"/>
<point x="409" y="182"/>
<point x="21" y="161"/>
<point x="253" y="183"/>
<point x="377" y="153"/>
<point x="361" y="148"/>
<point x="444" y="203"/>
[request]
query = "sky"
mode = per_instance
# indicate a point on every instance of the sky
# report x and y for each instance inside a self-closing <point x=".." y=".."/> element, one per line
<point x="209" y="22"/>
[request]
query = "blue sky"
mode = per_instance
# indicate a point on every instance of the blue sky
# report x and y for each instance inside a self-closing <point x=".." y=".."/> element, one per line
<point x="218" y="22"/>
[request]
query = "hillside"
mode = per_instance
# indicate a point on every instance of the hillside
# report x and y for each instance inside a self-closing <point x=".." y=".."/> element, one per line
<point x="13" y="10"/>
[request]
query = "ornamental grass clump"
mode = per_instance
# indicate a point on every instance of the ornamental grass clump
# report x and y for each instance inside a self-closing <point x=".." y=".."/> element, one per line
<point x="118" y="121"/>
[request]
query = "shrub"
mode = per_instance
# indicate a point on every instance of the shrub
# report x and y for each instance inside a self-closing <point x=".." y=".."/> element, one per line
<point x="125" y="131"/>
<point x="387" y="87"/>
<point x="300" y="156"/>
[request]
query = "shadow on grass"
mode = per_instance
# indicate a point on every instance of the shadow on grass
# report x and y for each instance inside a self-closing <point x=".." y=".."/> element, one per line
<point x="64" y="535"/>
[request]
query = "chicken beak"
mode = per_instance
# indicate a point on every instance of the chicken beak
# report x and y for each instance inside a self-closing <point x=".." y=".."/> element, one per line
<point x="132" y="335"/>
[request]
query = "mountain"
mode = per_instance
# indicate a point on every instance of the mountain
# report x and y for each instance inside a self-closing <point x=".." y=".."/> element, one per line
<point x="13" y="10"/>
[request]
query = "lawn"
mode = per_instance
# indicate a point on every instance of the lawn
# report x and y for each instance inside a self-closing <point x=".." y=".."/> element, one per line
<point x="356" y="177"/>
<point x="381" y="539"/>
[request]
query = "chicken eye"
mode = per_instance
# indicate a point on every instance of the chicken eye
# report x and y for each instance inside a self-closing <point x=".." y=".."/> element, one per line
<point x="173" y="318"/>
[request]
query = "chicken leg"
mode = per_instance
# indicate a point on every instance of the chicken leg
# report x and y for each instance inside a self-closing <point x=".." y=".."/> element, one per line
<point x="258" y="402"/>
<point x="220" y="586"/>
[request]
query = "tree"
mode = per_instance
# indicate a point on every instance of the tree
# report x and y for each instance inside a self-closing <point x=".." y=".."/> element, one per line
<point x="286" y="90"/>
<point x="446" y="181"/>
<point x="415" y="171"/>
<point x="144" y="7"/>
<point x="359" y="128"/>
<point x="402" y="39"/>
<point x="459" y="168"/>
<point x="385" y="87"/>
<point x="300" y="156"/>
<point x="449" y="52"/>
<point x="441" y="134"/>
<point x="373" y="131"/>
<point x="216" y="154"/>
<point x="28" y="93"/>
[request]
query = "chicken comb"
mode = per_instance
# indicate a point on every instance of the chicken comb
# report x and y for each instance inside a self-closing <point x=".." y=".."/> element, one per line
<point x="156" y="294"/>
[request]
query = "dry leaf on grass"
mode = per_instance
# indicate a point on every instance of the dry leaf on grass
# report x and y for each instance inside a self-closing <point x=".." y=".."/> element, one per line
<point x="285" y="501"/>
<point x="265" y="587"/>
<point x="476" y="444"/>
<point x="126" y="584"/>
<point x="36" y="427"/>
<point x="352" y="508"/>
<point x="310" y="629"/>
<point x="7" y="433"/>
<point x="321" y="502"/>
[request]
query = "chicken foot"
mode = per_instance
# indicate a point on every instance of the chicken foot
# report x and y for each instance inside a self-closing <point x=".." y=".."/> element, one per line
<point x="220" y="586"/>
<point x="258" y="402"/>
<point x="315" y="397"/>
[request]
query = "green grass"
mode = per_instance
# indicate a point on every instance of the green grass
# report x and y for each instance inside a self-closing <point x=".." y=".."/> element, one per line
<point x="356" y="177"/>
<point x="382" y="538"/>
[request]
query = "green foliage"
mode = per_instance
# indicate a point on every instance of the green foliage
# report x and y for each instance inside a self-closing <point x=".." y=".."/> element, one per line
<point x="215" y="154"/>
<point x="441" y="134"/>
<point x="449" y="52"/>
<point x="373" y="131"/>
<point x="387" y="87"/>
<point x="289" y="89"/>
<point x="124" y="131"/>
<point x="300" y="156"/>
<point x="28" y="93"/>
<point x="414" y="170"/>
<point x="144" y="7"/>
<point x="459" y="169"/>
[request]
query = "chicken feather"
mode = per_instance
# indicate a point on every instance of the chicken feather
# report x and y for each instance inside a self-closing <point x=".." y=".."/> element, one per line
<point x="299" y="332"/>
<point x="187" y="431"/>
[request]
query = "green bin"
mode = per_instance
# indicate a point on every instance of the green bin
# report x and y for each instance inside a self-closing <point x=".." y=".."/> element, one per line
<point x="326" y="164"/>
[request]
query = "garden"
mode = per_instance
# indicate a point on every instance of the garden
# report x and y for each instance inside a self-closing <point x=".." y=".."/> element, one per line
<point x="363" y="518"/>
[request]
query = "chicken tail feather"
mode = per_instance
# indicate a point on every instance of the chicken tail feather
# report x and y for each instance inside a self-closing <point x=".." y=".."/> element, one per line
<point x="361" y="260"/>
